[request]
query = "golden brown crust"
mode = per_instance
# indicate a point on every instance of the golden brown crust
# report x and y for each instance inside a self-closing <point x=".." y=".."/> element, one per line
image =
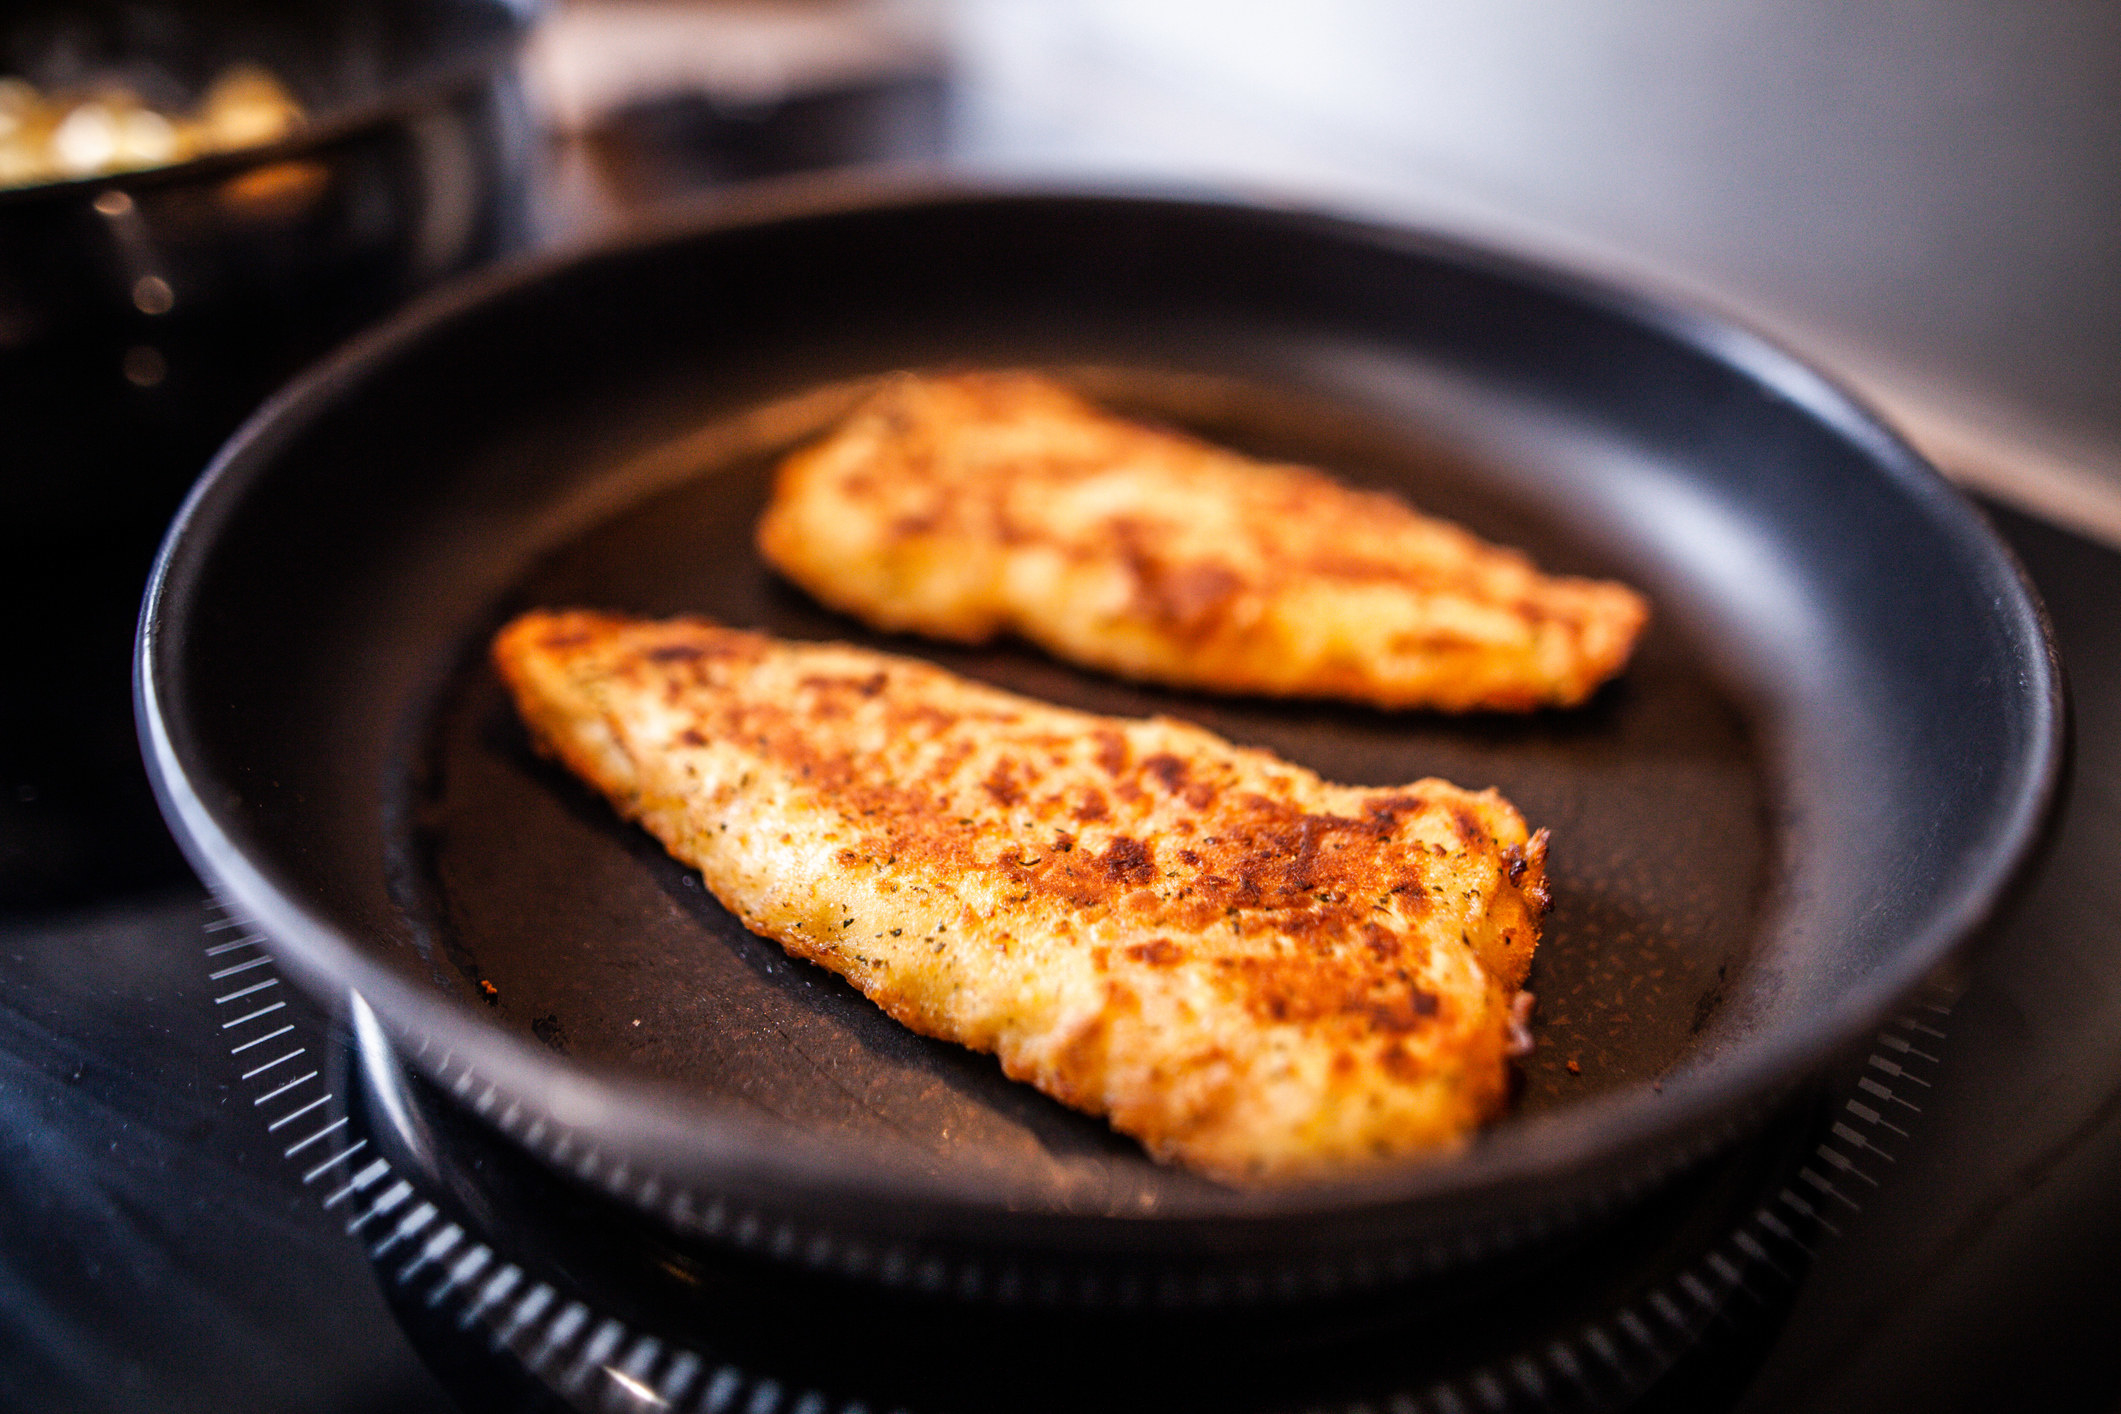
<point x="968" y="506"/>
<point x="1257" y="973"/>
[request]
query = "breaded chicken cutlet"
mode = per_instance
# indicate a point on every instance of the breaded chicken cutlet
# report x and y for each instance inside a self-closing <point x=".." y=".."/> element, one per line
<point x="1256" y="973"/>
<point x="968" y="506"/>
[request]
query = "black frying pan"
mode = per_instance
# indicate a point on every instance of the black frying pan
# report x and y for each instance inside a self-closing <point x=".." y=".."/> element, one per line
<point x="1830" y="756"/>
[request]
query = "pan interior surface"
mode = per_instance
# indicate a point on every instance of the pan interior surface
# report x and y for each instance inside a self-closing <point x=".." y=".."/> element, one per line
<point x="1816" y="773"/>
<point x="602" y="947"/>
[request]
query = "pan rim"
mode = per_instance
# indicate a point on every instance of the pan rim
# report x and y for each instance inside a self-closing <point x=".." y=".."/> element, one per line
<point x="634" y="1115"/>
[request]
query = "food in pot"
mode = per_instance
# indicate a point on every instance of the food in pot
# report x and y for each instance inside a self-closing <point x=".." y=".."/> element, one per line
<point x="1257" y="973"/>
<point x="964" y="507"/>
<point x="108" y="128"/>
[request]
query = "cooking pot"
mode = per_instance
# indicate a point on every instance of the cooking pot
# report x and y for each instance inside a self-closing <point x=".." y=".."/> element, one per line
<point x="142" y="313"/>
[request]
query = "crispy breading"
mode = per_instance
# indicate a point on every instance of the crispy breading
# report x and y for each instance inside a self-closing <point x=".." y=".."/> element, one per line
<point x="1256" y="973"/>
<point x="967" y="506"/>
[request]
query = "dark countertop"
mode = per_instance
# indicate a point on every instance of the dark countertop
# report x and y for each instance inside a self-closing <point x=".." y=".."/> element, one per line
<point x="155" y="1251"/>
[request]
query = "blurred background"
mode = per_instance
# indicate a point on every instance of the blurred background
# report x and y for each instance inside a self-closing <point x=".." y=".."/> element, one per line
<point x="1920" y="195"/>
<point x="1925" y="198"/>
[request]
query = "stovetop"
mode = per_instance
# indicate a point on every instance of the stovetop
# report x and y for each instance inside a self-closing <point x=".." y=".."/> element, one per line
<point x="161" y="1248"/>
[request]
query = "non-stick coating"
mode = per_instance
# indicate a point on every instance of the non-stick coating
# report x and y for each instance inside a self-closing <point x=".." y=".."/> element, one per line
<point x="1833" y="750"/>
